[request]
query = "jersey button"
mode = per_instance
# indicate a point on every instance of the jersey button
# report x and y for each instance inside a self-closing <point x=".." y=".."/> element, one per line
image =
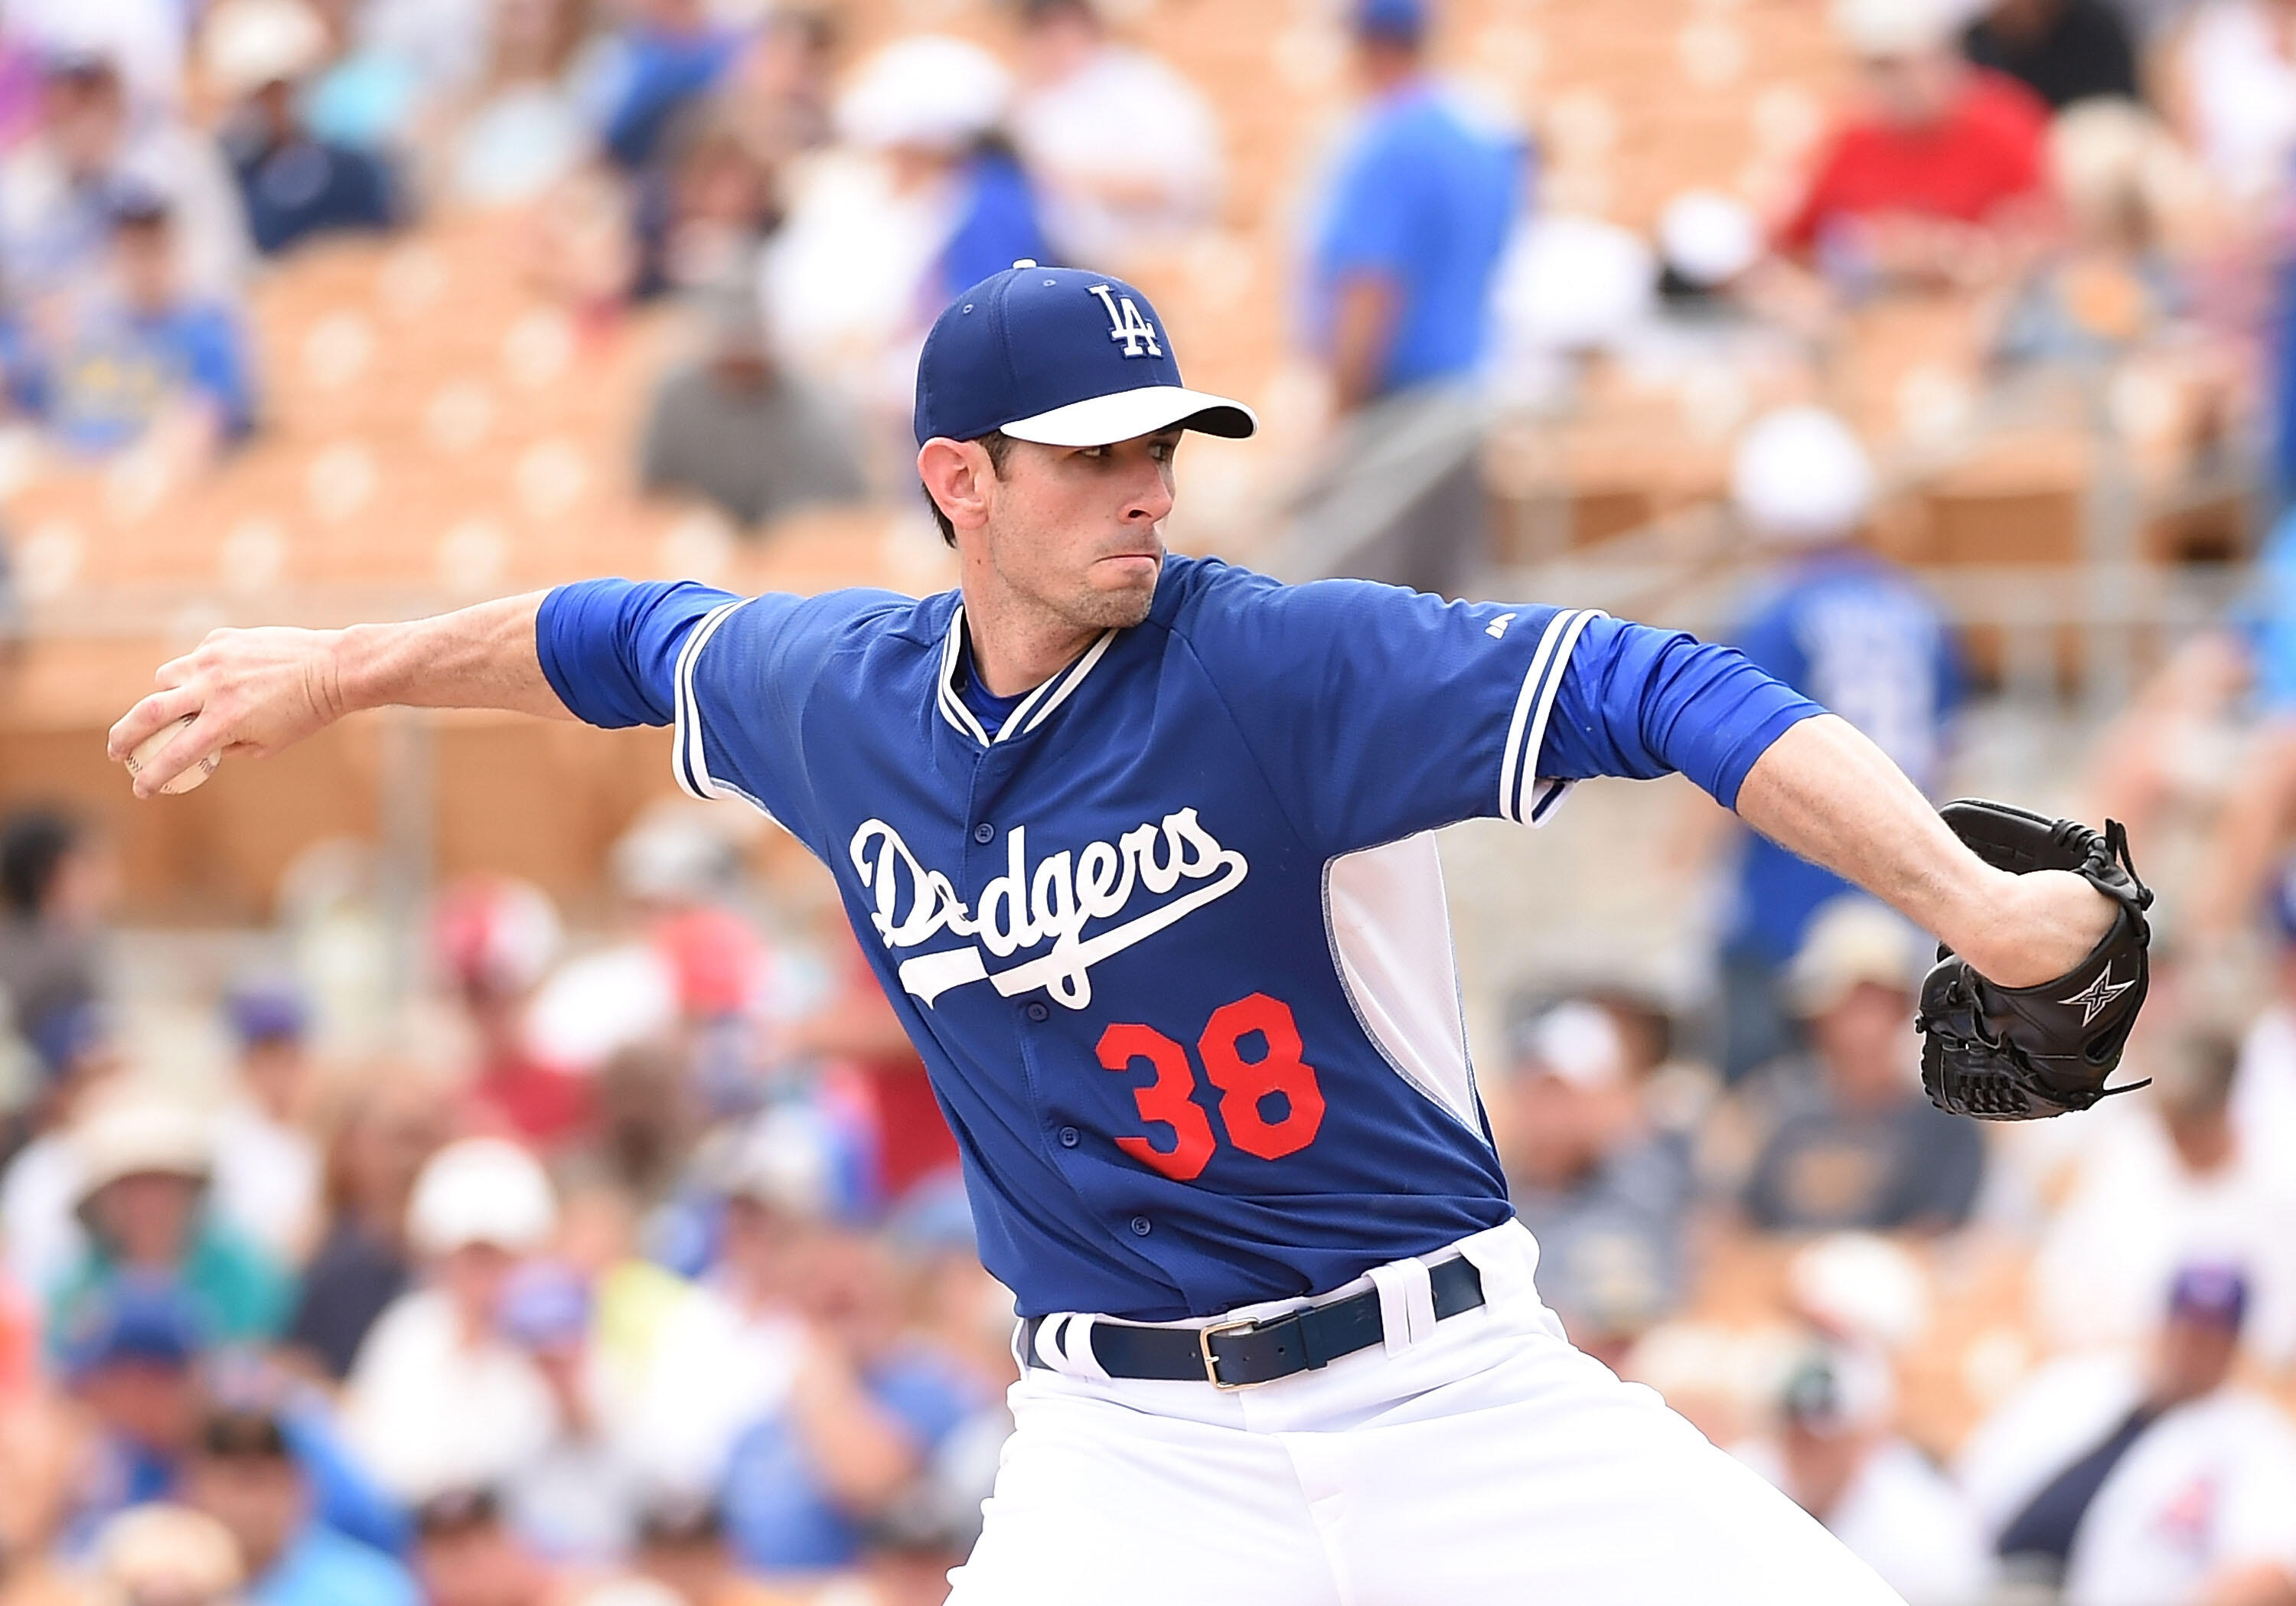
<point x="984" y="833"/>
<point x="1139" y="1226"/>
<point x="1039" y="1014"/>
<point x="1071" y="1137"/>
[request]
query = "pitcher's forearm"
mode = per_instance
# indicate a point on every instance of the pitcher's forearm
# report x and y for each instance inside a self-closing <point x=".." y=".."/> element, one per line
<point x="256" y="691"/>
<point x="477" y="657"/>
<point x="1828" y="793"/>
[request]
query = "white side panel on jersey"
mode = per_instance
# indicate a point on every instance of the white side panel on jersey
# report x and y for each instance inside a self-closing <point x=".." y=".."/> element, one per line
<point x="1389" y="926"/>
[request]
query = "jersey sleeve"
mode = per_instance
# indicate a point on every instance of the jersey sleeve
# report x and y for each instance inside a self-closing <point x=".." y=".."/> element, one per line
<point x="609" y="647"/>
<point x="1378" y="712"/>
<point x="729" y="675"/>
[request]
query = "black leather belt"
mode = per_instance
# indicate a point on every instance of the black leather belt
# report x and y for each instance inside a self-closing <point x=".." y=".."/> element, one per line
<point x="1244" y="1355"/>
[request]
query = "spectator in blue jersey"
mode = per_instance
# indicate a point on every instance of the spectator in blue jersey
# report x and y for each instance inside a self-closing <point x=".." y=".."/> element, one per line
<point x="245" y="1473"/>
<point x="666" y="58"/>
<point x="147" y="354"/>
<point x="859" y="1427"/>
<point x="1844" y="626"/>
<point x="1850" y="1140"/>
<point x="1410" y="234"/>
<point x="295" y="184"/>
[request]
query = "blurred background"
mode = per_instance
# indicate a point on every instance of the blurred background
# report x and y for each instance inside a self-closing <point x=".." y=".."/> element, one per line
<point x="441" y="1165"/>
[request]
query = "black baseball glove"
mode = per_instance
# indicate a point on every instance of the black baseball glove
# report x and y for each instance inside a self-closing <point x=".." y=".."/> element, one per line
<point x="2025" y="1053"/>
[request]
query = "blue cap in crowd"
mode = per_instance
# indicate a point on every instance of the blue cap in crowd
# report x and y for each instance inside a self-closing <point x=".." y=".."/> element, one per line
<point x="1399" y="21"/>
<point x="2282" y="902"/>
<point x="135" y="1319"/>
<point x="267" y="1012"/>
<point x="1062" y="358"/>
<point x="546" y="1306"/>
<point x="63" y="1036"/>
<point x="2217" y="1295"/>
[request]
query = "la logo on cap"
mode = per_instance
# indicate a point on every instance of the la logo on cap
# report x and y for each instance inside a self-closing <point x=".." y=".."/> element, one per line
<point x="1128" y="325"/>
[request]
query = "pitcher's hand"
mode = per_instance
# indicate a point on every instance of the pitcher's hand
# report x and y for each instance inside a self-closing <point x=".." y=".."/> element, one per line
<point x="252" y="691"/>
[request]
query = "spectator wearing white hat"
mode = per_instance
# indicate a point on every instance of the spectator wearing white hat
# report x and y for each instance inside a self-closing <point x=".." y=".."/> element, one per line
<point x="495" y="940"/>
<point x="1851" y="1142"/>
<point x="1935" y="176"/>
<point x="923" y="200"/>
<point x="1842" y="625"/>
<point x="144" y="1164"/>
<point x="1838" y="1454"/>
<point x="257" y="54"/>
<point x="1706" y="242"/>
<point x="1606" y="1194"/>
<point x="438" y="1399"/>
<point x="730" y="1355"/>
<point x="1126" y="150"/>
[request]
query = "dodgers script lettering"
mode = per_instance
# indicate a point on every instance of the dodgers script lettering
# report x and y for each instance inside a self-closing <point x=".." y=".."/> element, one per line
<point x="1056" y="900"/>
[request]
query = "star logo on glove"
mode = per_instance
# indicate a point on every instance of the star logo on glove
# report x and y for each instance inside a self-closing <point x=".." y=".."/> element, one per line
<point x="2094" y="998"/>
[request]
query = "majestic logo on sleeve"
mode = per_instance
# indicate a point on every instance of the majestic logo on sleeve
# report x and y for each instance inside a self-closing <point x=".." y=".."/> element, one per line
<point x="1067" y="898"/>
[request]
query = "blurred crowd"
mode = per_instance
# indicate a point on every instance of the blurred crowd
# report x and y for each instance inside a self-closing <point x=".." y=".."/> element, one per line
<point x="654" y="1283"/>
<point x="642" y="1277"/>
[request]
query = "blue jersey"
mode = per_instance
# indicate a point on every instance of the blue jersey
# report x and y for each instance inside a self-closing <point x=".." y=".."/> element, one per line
<point x="1868" y="642"/>
<point x="1423" y="200"/>
<point x="1171" y="938"/>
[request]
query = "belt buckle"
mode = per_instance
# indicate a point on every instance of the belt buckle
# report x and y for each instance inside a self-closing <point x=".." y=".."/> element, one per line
<point x="1204" y="1337"/>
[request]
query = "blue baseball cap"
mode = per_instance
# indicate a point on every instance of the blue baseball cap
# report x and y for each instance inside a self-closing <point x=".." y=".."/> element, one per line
<point x="546" y="1306"/>
<point x="2214" y="1295"/>
<point x="152" y="1320"/>
<point x="2280" y="902"/>
<point x="1061" y="358"/>
<point x="1403" y="22"/>
<point x="267" y="1012"/>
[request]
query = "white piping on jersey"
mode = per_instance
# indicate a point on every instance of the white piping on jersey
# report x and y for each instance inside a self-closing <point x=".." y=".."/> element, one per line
<point x="1533" y="706"/>
<point x="687" y="758"/>
<point x="1031" y="710"/>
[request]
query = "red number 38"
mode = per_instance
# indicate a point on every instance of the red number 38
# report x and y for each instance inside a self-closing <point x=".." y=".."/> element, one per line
<point x="1245" y="1086"/>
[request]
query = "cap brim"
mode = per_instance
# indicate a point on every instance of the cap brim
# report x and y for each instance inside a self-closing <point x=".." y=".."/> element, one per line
<point x="1128" y="414"/>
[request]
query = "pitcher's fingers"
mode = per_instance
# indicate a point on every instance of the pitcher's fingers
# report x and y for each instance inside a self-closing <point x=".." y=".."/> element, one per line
<point x="203" y="736"/>
<point x="160" y="708"/>
<point x="175" y="671"/>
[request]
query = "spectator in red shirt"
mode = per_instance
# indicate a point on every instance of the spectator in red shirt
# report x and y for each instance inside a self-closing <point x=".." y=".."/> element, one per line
<point x="1938" y="175"/>
<point x="494" y="939"/>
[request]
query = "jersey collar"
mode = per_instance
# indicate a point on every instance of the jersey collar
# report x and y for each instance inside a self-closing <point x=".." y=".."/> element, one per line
<point x="1031" y="712"/>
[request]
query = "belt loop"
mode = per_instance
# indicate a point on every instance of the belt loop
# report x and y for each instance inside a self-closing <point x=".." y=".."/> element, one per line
<point x="1407" y="1302"/>
<point x="1049" y="1331"/>
<point x="1081" y="1359"/>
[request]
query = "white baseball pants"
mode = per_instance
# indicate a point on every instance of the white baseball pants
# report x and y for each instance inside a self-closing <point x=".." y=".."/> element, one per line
<point x="1476" y="1462"/>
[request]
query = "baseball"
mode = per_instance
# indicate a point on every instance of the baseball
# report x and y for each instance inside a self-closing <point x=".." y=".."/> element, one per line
<point x="150" y="745"/>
